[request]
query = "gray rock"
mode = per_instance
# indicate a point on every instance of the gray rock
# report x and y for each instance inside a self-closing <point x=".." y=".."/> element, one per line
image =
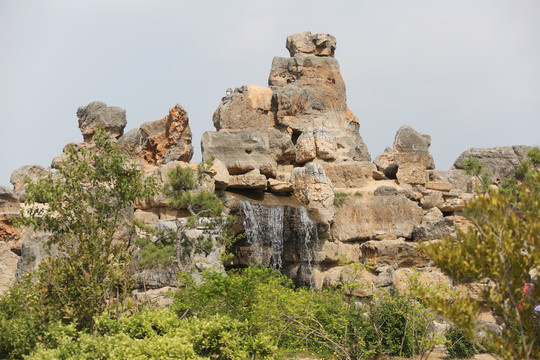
<point x="386" y="163"/>
<point x="96" y="114"/>
<point x="32" y="172"/>
<point x="500" y="162"/>
<point x="240" y="151"/>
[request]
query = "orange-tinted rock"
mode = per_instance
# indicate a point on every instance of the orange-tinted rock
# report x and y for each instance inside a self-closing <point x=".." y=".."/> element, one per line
<point x="168" y="139"/>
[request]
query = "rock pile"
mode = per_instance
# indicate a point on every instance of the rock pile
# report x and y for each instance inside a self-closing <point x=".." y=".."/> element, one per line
<point x="293" y="145"/>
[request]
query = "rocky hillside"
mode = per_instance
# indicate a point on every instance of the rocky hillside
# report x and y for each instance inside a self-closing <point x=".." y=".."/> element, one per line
<point x="289" y="162"/>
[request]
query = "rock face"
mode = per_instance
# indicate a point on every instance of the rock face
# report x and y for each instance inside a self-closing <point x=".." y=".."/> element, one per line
<point x="96" y="114"/>
<point x="8" y="266"/>
<point x="387" y="215"/>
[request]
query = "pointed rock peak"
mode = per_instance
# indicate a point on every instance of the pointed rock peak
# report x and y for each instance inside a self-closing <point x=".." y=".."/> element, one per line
<point x="306" y="43"/>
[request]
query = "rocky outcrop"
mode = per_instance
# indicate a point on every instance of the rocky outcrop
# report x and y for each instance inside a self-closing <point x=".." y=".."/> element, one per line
<point x="97" y="114"/>
<point x="500" y="162"/>
<point x="411" y="153"/>
<point x="301" y="117"/>
<point x="306" y="43"/>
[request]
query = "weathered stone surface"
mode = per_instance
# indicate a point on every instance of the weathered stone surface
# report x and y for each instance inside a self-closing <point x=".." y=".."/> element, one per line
<point x="349" y="174"/>
<point x="168" y="139"/>
<point x="9" y="234"/>
<point x="132" y="143"/>
<point x="306" y="43"/>
<point x="278" y="186"/>
<point x="221" y="178"/>
<point x="386" y="163"/>
<point x="315" y="143"/>
<point x="280" y="146"/>
<point x="8" y="266"/>
<point x="433" y="226"/>
<point x="334" y="252"/>
<point x="397" y="253"/>
<point x="253" y="180"/>
<point x="312" y="187"/>
<point x="33" y="172"/>
<point x="411" y="152"/>
<point x="32" y="251"/>
<point x="247" y="108"/>
<point x="9" y="203"/>
<point x="240" y="150"/>
<point x="500" y="162"/>
<point x="97" y="114"/>
<point x="371" y="217"/>
<point x="439" y="186"/>
<point x="432" y="199"/>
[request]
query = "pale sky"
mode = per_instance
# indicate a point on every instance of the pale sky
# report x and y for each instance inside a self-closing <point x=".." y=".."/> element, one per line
<point x="466" y="72"/>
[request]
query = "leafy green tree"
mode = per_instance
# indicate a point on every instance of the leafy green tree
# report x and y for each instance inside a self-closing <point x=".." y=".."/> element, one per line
<point x="83" y="207"/>
<point x="497" y="253"/>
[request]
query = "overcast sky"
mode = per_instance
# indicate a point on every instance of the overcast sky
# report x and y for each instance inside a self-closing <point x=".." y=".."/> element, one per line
<point x="466" y="72"/>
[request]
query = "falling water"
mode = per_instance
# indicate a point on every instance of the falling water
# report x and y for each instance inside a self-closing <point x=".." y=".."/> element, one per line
<point x="264" y="229"/>
<point x="273" y="230"/>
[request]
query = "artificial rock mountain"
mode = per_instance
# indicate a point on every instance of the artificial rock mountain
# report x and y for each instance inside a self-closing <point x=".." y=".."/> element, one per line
<point x="281" y="154"/>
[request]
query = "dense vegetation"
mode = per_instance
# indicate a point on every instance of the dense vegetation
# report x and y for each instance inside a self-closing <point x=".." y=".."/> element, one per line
<point x="77" y="305"/>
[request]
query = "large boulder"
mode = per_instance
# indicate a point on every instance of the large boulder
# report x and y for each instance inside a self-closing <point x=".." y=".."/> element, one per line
<point x="248" y="107"/>
<point x="97" y="114"/>
<point x="500" y="162"/>
<point x="387" y="215"/>
<point x="411" y="152"/>
<point x="306" y="43"/>
<point x="240" y="151"/>
<point x="31" y="172"/>
<point x="168" y="139"/>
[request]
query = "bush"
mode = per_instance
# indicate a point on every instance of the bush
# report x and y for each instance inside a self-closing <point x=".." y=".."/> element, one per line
<point x="458" y="345"/>
<point x="401" y="326"/>
<point x="339" y="199"/>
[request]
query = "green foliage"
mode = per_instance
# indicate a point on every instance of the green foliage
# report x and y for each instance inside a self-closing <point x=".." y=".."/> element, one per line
<point x="82" y="207"/>
<point x="458" y="345"/>
<point x="358" y="194"/>
<point x="339" y="199"/>
<point x="401" y="326"/>
<point x="499" y="251"/>
<point x="158" y="335"/>
<point x="475" y="168"/>
<point x="326" y="323"/>
<point x="21" y="320"/>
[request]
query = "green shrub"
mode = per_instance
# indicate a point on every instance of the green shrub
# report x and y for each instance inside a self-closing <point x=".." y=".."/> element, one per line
<point x="458" y="345"/>
<point x="339" y="199"/>
<point x="21" y="323"/>
<point x="401" y="326"/>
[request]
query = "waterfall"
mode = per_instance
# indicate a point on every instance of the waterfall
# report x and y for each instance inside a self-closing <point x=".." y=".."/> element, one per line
<point x="264" y="229"/>
<point x="280" y="235"/>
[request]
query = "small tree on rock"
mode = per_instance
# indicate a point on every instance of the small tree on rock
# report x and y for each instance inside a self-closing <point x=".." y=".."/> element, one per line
<point x="83" y="207"/>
